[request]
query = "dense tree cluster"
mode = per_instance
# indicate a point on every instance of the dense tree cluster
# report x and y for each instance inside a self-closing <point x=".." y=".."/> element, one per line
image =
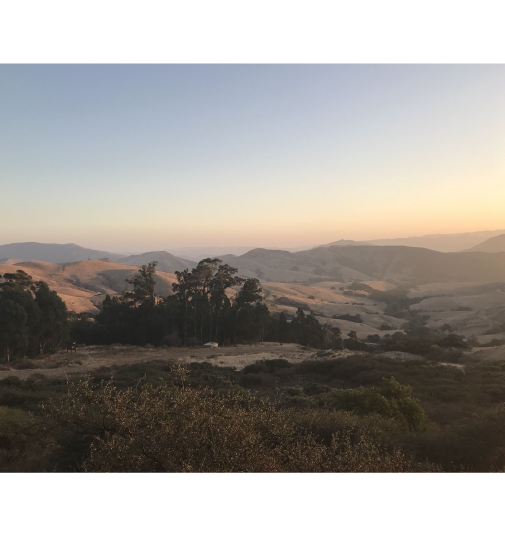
<point x="33" y="319"/>
<point x="209" y="303"/>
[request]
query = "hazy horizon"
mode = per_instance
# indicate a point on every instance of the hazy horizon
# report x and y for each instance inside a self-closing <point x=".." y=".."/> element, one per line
<point x="238" y="249"/>
<point x="145" y="157"/>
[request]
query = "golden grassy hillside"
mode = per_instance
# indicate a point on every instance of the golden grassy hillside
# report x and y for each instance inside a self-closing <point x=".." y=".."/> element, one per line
<point x="83" y="284"/>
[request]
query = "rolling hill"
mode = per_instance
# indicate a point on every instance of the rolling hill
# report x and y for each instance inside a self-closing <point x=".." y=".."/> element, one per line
<point x="166" y="261"/>
<point x="496" y="244"/>
<point x="398" y="264"/>
<point x="418" y="265"/>
<point x="439" y="242"/>
<point x="11" y="260"/>
<point x="37" y="251"/>
<point x="83" y="284"/>
<point x="67" y="253"/>
<point x="344" y="242"/>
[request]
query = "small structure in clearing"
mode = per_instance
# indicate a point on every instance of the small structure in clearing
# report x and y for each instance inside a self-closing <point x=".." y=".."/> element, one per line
<point x="211" y="345"/>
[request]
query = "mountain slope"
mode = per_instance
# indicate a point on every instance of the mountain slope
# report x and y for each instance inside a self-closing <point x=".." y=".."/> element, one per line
<point x="343" y="242"/>
<point x="198" y="253"/>
<point x="301" y="267"/>
<point x="398" y="264"/>
<point x="11" y="260"/>
<point x="439" y="242"/>
<point x="419" y="265"/>
<point x="166" y="261"/>
<point x="82" y="285"/>
<point x="495" y="244"/>
<point x="37" y="251"/>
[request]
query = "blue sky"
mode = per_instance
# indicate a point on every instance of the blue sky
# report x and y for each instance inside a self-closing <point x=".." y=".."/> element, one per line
<point x="131" y="157"/>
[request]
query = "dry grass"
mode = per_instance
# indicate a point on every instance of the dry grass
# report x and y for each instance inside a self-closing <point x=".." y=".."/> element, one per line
<point x="81" y="284"/>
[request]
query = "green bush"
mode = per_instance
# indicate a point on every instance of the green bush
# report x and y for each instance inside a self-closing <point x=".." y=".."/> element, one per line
<point x="268" y="365"/>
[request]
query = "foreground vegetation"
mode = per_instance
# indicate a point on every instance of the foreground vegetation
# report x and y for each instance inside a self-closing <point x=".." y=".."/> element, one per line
<point x="354" y="414"/>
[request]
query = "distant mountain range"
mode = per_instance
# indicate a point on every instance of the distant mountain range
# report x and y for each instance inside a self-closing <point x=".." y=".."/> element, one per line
<point x="492" y="245"/>
<point x="199" y="253"/>
<point x="440" y="242"/>
<point x="36" y="251"/>
<point x="346" y="243"/>
<point x="65" y="253"/>
<point x="83" y="283"/>
<point x="342" y="261"/>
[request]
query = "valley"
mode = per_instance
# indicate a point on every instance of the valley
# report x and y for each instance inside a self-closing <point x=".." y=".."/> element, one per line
<point x="463" y="292"/>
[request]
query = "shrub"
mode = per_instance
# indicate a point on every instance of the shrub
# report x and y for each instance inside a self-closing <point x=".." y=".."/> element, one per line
<point x="356" y="285"/>
<point x="174" y="429"/>
<point x="450" y="355"/>
<point x="37" y="376"/>
<point x="494" y="342"/>
<point x="391" y="400"/>
<point x="350" y="318"/>
<point x="22" y="441"/>
<point x="283" y="300"/>
<point x="268" y="365"/>
<point x="172" y="339"/>
<point x="23" y="364"/>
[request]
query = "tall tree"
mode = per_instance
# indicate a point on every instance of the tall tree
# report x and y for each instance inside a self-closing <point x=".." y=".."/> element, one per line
<point x="223" y="279"/>
<point x="53" y="326"/>
<point x="14" y="333"/>
<point x="246" y="317"/>
<point x="251" y="292"/>
<point x="143" y="284"/>
<point x="203" y="277"/>
<point x="183" y="291"/>
<point x="283" y="328"/>
<point x="17" y="288"/>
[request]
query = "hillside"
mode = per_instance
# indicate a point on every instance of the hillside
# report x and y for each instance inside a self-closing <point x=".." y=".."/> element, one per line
<point x="82" y="285"/>
<point x="37" y="251"/>
<point x="344" y="243"/>
<point x="198" y="253"/>
<point x="166" y="261"/>
<point x="11" y="260"/>
<point x="314" y="265"/>
<point x="496" y="244"/>
<point x="418" y="265"/>
<point x="439" y="242"/>
<point x="397" y="264"/>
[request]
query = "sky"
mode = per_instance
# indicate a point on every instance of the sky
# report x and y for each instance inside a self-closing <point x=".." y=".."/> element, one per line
<point x="145" y="157"/>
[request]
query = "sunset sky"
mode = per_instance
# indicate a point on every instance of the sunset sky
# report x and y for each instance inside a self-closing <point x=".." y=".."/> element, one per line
<point x="132" y="158"/>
